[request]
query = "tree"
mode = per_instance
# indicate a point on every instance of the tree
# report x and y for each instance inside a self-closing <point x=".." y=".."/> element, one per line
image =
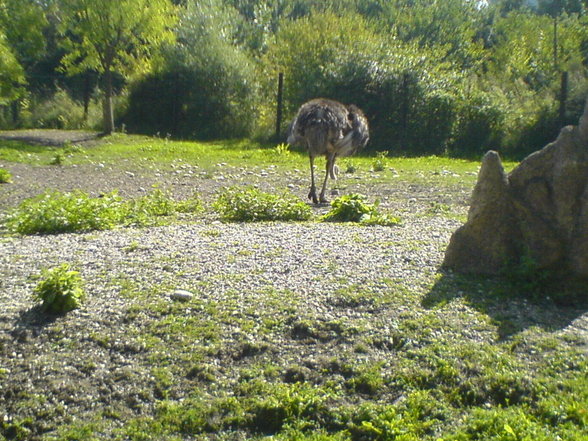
<point x="114" y="36"/>
<point x="21" y="44"/>
<point x="558" y="7"/>
<point x="451" y="24"/>
<point x="23" y="22"/>
<point x="206" y="85"/>
<point x="524" y="49"/>
<point x="403" y="88"/>
<point x="11" y="73"/>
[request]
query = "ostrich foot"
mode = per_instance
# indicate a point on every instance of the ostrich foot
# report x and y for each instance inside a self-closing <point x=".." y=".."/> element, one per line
<point x="312" y="196"/>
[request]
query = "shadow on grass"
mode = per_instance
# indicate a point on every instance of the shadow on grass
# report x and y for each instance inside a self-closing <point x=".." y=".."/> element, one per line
<point x="46" y="137"/>
<point x="32" y="321"/>
<point x="24" y="147"/>
<point x="511" y="307"/>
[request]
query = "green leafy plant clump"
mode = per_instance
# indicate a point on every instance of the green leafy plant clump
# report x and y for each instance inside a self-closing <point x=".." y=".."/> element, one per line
<point x="354" y="208"/>
<point x="5" y="176"/>
<point x="249" y="204"/>
<point x="54" y="212"/>
<point x="61" y="290"/>
<point x="379" y="163"/>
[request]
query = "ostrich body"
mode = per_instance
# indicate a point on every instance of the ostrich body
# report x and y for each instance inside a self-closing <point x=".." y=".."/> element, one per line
<point x="327" y="127"/>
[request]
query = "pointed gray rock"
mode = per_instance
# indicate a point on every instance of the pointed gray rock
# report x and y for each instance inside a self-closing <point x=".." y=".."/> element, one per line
<point x="539" y="210"/>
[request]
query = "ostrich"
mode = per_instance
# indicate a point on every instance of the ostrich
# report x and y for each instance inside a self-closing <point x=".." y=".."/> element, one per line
<point x="327" y="127"/>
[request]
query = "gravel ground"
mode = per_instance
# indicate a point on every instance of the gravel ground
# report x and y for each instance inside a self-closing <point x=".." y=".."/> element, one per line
<point x="81" y="373"/>
<point x="69" y="367"/>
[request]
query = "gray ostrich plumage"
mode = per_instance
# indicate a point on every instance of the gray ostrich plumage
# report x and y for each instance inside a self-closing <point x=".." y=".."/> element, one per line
<point x="327" y="127"/>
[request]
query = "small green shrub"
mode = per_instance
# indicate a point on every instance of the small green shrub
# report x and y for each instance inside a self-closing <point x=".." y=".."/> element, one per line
<point x="252" y="205"/>
<point x="412" y="420"/>
<point x="353" y="208"/>
<point x="379" y="163"/>
<point x="349" y="208"/>
<point x="282" y="149"/>
<point x="350" y="167"/>
<point x="5" y="176"/>
<point x="503" y="424"/>
<point x="161" y="203"/>
<point x="61" y="111"/>
<point x="61" y="290"/>
<point x="156" y="203"/>
<point x="282" y="404"/>
<point x="367" y="380"/>
<point x="58" y="159"/>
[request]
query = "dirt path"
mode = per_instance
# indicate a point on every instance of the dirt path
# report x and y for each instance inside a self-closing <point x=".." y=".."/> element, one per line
<point x="51" y="137"/>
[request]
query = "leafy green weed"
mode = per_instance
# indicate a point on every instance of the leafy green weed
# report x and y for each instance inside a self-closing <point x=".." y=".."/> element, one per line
<point x="249" y="204"/>
<point x="5" y="176"/>
<point x="353" y="208"/>
<point x="54" y="212"/>
<point x="61" y="290"/>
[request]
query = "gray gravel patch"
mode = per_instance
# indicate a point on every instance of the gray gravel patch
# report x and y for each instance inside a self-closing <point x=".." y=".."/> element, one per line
<point x="89" y="358"/>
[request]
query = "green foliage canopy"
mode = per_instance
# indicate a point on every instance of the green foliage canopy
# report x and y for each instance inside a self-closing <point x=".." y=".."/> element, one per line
<point x="11" y="73"/>
<point x="23" y="22"/>
<point x="114" y="35"/>
<point x="206" y="87"/>
<point x="21" y="42"/>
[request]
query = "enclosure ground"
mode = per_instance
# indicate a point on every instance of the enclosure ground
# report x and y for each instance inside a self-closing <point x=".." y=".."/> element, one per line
<point x="340" y="317"/>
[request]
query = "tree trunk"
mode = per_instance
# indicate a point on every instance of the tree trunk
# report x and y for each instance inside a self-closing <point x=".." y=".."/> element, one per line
<point x="87" y="92"/>
<point x="107" y="105"/>
<point x="15" y="112"/>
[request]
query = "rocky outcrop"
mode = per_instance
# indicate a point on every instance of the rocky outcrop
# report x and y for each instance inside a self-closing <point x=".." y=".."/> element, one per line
<point x="540" y="210"/>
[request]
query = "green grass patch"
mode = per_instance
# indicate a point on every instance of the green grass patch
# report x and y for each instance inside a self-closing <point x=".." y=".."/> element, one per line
<point x="142" y="150"/>
<point x="427" y="357"/>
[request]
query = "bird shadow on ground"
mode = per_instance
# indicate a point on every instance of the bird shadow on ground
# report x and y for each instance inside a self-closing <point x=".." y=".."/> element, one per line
<point x="511" y="307"/>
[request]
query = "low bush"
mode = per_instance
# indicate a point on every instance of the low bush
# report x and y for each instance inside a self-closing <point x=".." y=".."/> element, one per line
<point x="353" y="208"/>
<point x="61" y="111"/>
<point x="249" y="204"/>
<point x="58" y="159"/>
<point x="60" y="290"/>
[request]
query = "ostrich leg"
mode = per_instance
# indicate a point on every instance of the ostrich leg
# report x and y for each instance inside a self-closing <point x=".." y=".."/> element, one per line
<point x="328" y="171"/>
<point x="312" y="193"/>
